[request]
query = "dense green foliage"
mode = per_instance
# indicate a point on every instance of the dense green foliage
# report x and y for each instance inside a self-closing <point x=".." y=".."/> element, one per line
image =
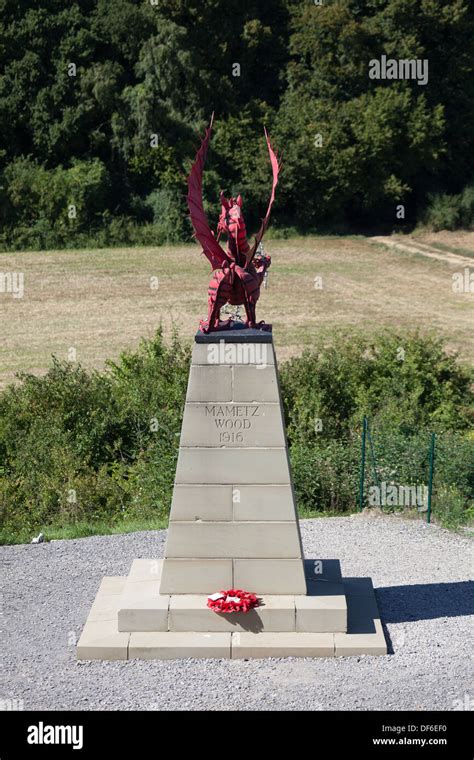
<point x="100" y="102"/>
<point x="79" y="446"/>
<point x="449" y="212"/>
<point x="408" y="387"/>
<point x="76" y="445"/>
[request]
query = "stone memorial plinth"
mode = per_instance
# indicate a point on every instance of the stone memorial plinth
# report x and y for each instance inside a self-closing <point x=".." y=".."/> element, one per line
<point x="233" y="521"/>
<point x="233" y="524"/>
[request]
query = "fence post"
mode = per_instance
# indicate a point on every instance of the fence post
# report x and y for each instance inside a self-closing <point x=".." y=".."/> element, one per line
<point x="372" y="454"/>
<point x="362" y="467"/>
<point x="430" y="481"/>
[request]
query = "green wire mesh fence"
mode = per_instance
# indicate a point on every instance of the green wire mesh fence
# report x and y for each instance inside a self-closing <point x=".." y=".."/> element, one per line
<point x="396" y="473"/>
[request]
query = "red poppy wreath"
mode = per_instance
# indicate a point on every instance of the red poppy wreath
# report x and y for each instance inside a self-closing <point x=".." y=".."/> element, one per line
<point x="233" y="600"/>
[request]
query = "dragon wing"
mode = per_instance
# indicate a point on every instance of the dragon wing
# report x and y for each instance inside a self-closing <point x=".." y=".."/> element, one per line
<point x="210" y="246"/>
<point x="275" y="162"/>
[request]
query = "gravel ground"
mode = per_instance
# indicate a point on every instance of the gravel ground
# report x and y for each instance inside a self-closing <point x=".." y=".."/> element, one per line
<point x="420" y="572"/>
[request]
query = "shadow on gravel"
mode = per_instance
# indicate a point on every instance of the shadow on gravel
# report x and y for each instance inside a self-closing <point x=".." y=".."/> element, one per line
<point x="400" y="604"/>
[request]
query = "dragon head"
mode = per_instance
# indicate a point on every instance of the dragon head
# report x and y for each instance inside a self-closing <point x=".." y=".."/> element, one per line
<point x="262" y="263"/>
<point x="231" y="219"/>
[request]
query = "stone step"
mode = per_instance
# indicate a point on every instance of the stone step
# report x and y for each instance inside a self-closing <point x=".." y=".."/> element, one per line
<point x="174" y="645"/>
<point x="102" y="640"/>
<point x="190" y="612"/>
<point x="371" y="641"/>
<point x="145" y="570"/>
<point x="255" y="646"/>
<point x="142" y="608"/>
<point x="245" y="645"/>
<point x="276" y="613"/>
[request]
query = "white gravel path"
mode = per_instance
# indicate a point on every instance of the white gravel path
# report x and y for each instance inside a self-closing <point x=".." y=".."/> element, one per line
<point x="421" y="574"/>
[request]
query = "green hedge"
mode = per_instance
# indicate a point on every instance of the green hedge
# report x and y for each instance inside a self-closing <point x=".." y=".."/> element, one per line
<point x="81" y="446"/>
<point x="408" y="387"/>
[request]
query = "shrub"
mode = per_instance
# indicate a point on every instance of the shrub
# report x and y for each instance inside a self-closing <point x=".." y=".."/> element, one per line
<point x="325" y="475"/>
<point x="467" y="207"/>
<point x="401" y="381"/>
<point x="79" y="446"/>
<point x="39" y="194"/>
<point x="327" y="392"/>
<point x="168" y="214"/>
<point x="450" y="212"/>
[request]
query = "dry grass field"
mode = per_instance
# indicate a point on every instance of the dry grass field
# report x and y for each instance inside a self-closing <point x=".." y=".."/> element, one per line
<point x="99" y="302"/>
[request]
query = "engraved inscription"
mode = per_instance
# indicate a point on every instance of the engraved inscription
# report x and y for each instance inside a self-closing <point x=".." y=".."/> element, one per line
<point x="232" y="420"/>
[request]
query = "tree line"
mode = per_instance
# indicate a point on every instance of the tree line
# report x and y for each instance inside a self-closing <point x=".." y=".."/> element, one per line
<point x="102" y="101"/>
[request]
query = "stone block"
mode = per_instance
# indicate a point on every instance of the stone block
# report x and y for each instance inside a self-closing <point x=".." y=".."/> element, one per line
<point x="348" y="644"/>
<point x="250" y="384"/>
<point x="145" y="570"/>
<point x="100" y="640"/>
<point x="232" y="425"/>
<point x="172" y="645"/>
<point x="142" y="611"/>
<point x="223" y="466"/>
<point x="266" y="502"/>
<point x="227" y="354"/>
<point x="191" y="613"/>
<point x="281" y="644"/>
<point x="111" y="584"/>
<point x="201" y="502"/>
<point x="270" y="576"/>
<point x="139" y="588"/>
<point x="209" y="383"/>
<point x="321" y="614"/>
<point x="104" y="608"/>
<point x="274" y="540"/>
<point x="196" y="576"/>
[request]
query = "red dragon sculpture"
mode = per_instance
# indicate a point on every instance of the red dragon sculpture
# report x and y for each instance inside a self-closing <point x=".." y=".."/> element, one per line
<point x="238" y="271"/>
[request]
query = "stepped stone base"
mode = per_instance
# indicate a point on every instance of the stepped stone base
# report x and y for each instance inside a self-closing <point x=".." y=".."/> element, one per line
<point x="131" y="619"/>
<point x="233" y="524"/>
